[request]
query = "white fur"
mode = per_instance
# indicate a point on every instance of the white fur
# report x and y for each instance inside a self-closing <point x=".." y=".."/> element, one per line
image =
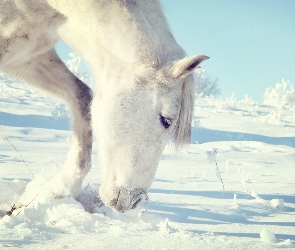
<point x="140" y="76"/>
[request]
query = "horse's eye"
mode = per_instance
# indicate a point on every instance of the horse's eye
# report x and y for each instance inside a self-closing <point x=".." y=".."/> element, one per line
<point x="166" y="122"/>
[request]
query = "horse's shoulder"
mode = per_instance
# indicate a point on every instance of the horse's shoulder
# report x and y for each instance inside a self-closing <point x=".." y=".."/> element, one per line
<point x="26" y="27"/>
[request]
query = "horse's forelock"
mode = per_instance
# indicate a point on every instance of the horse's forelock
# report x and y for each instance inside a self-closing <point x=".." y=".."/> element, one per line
<point x="182" y="135"/>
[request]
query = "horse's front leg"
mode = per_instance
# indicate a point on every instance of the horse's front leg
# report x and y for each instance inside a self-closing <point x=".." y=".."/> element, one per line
<point x="78" y="163"/>
<point x="49" y="73"/>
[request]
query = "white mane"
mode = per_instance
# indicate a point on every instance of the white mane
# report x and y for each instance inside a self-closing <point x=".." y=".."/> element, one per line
<point x="182" y="133"/>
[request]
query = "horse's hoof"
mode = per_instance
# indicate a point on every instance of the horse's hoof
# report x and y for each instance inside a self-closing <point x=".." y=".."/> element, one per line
<point x="91" y="200"/>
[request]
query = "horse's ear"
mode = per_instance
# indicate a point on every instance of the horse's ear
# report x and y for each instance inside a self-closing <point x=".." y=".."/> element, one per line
<point x="186" y="66"/>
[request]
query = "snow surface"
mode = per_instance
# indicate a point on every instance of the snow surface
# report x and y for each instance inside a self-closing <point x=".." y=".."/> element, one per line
<point x="245" y="148"/>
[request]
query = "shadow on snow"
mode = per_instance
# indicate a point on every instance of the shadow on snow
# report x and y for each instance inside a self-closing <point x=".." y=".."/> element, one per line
<point x="34" y="121"/>
<point x="203" y="135"/>
<point x="178" y="212"/>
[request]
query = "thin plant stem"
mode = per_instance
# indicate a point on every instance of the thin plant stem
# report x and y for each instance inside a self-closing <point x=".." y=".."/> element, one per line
<point x="7" y="139"/>
<point x="27" y="204"/>
<point x="220" y="177"/>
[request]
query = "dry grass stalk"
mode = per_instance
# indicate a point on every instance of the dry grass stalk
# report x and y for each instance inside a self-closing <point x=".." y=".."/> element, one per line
<point x="7" y="139"/>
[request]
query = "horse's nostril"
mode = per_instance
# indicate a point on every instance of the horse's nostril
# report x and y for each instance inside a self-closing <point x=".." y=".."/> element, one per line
<point x="113" y="202"/>
<point x="137" y="199"/>
<point x="136" y="203"/>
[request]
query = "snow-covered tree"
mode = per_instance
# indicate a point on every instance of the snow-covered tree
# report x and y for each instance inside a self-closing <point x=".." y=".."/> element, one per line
<point x="282" y="95"/>
<point x="205" y="85"/>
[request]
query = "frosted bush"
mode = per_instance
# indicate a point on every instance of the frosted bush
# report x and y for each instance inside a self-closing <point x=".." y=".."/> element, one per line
<point x="74" y="65"/>
<point x="204" y="85"/>
<point x="248" y="100"/>
<point x="60" y="112"/>
<point x="280" y="96"/>
<point x="227" y="104"/>
<point x="200" y="74"/>
<point x="252" y="109"/>
<point x="274" y="117"/>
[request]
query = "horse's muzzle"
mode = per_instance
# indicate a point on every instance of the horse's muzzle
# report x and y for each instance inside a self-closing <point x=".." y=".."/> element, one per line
<point x="128" y="199"/>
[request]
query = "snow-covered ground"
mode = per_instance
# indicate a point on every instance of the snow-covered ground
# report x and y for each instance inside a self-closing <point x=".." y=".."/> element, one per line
<point x="251" y="147"/>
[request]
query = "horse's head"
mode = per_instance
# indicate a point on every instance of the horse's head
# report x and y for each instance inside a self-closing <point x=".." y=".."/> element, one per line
<point x="133" y="118"/>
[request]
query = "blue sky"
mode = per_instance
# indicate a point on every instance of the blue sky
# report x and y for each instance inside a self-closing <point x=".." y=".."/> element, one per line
<point x="251" y="43"/>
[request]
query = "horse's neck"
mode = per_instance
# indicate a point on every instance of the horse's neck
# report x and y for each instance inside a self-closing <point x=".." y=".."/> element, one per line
<point x="133" y="32"/>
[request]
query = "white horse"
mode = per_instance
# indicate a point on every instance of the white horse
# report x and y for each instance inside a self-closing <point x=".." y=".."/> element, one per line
<point x="143" y="80"/>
